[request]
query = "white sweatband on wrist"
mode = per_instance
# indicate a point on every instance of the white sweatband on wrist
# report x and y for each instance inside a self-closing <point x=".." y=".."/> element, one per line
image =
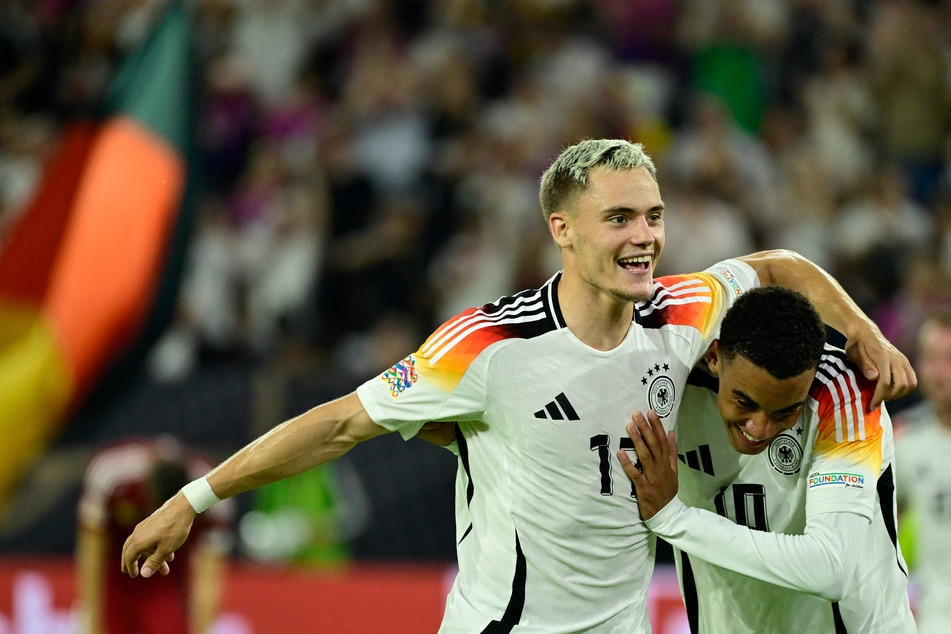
<point x="199" y="494"/>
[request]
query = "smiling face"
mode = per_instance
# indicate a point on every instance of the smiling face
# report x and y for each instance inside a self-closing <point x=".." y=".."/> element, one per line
<point x="612" y="233"/>
<point x="756" y="406"/>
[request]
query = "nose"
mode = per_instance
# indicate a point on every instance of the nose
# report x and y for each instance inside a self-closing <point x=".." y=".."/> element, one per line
<point x="760" y="427"/>
<point x="641" y="232"/>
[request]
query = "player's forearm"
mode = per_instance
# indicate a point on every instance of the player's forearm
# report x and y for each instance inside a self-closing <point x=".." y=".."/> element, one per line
<point x="819" y="562"/>
<point x="90" y="553"/>
<point x="313" y="438"/>
<point x="789" y="269"/>
<point x="207" y="573"/>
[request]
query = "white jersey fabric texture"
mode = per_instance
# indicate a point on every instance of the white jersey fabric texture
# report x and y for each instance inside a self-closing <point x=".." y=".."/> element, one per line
<point x="820" y="502"/>
<point x="548" y="533"/>
<point x="924" y="483"/>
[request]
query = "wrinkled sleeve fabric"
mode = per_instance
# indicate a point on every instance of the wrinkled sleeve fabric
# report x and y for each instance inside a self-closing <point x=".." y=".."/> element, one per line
<point x="818" y="562"/>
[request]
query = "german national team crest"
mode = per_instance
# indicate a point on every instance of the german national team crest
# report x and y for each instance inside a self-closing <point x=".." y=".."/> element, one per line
<point x="785" y="454"/>
<point x="661" y="395"/>
<point x="401" y="376"/>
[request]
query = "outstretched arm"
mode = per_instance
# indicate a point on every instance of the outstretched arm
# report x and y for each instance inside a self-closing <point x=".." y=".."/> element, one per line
<point x="866" y="346"/>
<point x="317" y="436"/>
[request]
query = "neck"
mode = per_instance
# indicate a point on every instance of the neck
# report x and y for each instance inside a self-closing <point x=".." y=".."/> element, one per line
<point x="598" y="319"/>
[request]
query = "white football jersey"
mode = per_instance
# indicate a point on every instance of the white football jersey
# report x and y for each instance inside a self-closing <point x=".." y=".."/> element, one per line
<point x="548" y="531"/>
<point x="837" y="458"/>
<point x="924" y="482"/>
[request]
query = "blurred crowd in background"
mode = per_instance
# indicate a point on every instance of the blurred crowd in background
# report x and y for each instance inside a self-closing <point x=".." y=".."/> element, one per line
<point x="370" y="167"/>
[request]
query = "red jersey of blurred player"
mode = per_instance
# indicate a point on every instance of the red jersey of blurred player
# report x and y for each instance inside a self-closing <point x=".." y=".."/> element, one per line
<point x="123" y="484"/>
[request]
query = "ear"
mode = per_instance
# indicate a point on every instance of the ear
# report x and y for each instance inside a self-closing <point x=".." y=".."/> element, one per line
<point x="558" y="224"/>
<point x="713" y="357"/>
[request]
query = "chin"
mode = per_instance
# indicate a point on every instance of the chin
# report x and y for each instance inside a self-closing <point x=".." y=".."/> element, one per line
<point x="636" y="294"/>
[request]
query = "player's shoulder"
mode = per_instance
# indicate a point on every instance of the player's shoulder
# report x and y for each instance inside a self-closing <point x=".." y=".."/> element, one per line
<point x="838" y="377"/>
<point x="524" y="315"/>
<point x="834" y="363"/>
<point x="696" y="299"/>
<point x="677" y="300"/>
<point x="132" y="459"/>
<point x="120" y="459"/>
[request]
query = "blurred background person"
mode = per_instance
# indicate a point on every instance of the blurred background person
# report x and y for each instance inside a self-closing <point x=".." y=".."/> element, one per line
<point x="924" y="478"/>
<point x="123" y="484"/>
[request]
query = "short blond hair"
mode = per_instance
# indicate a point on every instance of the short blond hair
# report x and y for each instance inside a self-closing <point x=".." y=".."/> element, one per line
<point x="568" y="174"/>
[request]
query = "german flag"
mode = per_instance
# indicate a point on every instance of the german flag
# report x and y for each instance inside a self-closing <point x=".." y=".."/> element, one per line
<point x="94" y="259"/>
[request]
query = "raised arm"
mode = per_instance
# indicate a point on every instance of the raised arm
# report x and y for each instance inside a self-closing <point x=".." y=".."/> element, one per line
<point x="317" y="436"/>
<point x="866" y="346"/>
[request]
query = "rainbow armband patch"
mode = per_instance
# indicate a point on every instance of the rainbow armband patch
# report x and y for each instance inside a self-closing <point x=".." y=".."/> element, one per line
<point x="401" y="376"/>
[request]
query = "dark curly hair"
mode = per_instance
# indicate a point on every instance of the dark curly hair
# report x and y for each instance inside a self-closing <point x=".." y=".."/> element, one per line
<point x="776" y="329"/>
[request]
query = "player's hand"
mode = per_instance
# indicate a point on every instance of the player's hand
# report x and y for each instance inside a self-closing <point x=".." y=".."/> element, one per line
<point x="881" y="361"/>
<point x="655" y="475"/>
<point x="441" y="434"/>
<point x="157" y="537"/>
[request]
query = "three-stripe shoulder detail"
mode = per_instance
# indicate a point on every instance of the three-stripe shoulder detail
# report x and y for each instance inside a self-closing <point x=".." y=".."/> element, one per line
<point x="841" y="380"/>
<point x="512" y="316"/>
<point x="670" y="292"/>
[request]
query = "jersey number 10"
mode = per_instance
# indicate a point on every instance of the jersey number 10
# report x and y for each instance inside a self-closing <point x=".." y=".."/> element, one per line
<point x="749" y="505"/>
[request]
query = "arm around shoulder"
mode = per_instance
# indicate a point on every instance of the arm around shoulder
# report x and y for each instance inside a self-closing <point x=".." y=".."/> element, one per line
<point x="866" y="346"/>
<point x="819" y="562"/>
<point x="790" y="269"/>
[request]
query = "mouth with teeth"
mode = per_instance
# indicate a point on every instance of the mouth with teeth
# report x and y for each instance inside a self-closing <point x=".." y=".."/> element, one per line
<point x="753" y="439"/>
<point x="746" y="442"/>
<point x="635" y="263"/>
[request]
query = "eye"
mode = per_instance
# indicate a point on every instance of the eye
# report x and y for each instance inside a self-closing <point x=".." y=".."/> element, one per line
<point x="655" y="218"/>
<point x="745" y="405"/>
<point x="786" y="418"/>
<point x="617" y="220"/>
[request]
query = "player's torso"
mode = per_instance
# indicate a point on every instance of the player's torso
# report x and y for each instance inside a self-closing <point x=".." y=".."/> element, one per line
<point x="769" y="491"/>
<point x="561" y="410"/>
<point x="549" y="536"/>
<point x="764" y="492"/>
<point x="927" y="472"/>
<point x="549" y="471"/>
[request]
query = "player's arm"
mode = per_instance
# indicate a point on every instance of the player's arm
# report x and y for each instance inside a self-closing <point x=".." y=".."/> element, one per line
<point x="208" y="570"/>
<point x="90" y="558"/>
<point x="866" y="346"/>
<point x="315" y="437"/>
<point x="818" y="562"/>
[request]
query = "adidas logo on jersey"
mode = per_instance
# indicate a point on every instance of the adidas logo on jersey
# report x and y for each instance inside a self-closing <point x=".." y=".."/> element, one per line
<point x="698" y="459"/>
<point x="558" y="409"/>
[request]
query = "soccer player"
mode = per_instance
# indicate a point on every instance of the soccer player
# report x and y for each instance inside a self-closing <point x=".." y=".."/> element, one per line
<point x="123" y="483"/>
<point x="785" y="520"/>
<point x="924" y="476"/>
<point x="540" y="384"/>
